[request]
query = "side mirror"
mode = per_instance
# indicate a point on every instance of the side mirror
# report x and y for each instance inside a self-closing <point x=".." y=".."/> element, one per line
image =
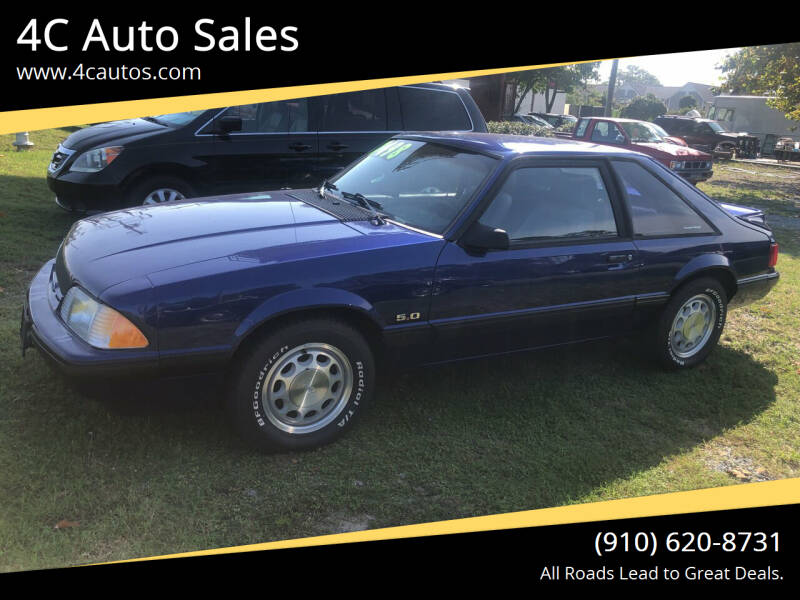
<point x="484" y="237"/>
<point x="228" y="124"/>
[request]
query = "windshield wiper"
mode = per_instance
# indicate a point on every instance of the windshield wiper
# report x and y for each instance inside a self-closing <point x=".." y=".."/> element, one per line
<point x="367" y="204"/>
<point x="326" y="185"/>
<point x="154" y="120"/>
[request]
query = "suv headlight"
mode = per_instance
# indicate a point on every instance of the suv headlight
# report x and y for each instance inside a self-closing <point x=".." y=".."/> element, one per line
<point x="96" y="160"/>
<point x="676" y="164"/>
<point x="97" y="324"/>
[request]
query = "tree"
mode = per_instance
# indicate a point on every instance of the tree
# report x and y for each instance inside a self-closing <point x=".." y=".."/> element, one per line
<point x="765" y="71"/>
<point x="687" y="102"/>
<point x="644" y="108"/>
<point x="636" y="75"/>
<point x="552" y="80"/>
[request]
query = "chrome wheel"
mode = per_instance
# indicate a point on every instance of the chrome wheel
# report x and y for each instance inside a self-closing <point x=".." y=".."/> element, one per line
<point x="163" y="195"/>
<point x="693" y="325"/>
<point x="307" y="388"/>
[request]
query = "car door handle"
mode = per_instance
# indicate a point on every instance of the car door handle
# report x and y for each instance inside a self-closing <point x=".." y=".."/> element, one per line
<point x="337" y="146"/>
<point x="299" y="147"/>
<point x="619" y="258"/>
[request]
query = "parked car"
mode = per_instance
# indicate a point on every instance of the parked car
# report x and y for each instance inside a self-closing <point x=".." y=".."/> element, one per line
<point x="708" y="136"/>
<point x="554" y="119"/>
<point x="528" y="120"/>
<point x="431" y="248"/>
<point x="691" y="164"/>
<point x="273" y="145"/>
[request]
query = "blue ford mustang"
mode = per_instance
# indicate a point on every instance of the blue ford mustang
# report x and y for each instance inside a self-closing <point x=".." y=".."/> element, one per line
<point x="431" y="248"/>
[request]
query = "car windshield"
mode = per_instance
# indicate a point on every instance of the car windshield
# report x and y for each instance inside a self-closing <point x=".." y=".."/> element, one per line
<point x="177" y="119"/>
<point x="716" y="127"/>
<point x="660" y="131"/>
<point x="641" y="132"/>
<point x="421" y="184"/>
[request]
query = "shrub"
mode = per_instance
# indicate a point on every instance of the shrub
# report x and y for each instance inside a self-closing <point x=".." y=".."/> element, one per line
<point x="517" y="128"/>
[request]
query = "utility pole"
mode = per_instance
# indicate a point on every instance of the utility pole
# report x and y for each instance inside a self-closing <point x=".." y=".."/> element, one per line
<point x="612" y="82"/>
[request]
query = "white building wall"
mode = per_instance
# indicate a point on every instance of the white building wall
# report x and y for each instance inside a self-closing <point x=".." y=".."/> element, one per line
<point x="536" y="103"/>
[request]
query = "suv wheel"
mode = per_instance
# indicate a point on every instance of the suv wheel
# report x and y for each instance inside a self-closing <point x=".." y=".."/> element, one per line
<point x="301" y="386"/>
<point x="691" y="324"/>
<point x="158" y="190"/>
<point x="726" y="148"/>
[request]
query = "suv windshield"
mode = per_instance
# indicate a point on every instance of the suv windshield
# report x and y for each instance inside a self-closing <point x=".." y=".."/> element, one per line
<point x="176" y="119"/>
<point x="716" y="127"/>
<point x="421" y="184"/>
<point x="641" y="132"/>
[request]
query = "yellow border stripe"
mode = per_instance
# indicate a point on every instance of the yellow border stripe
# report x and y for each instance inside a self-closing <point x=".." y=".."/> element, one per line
<point x="770" y="493"/>
<point x="46" y="118"/>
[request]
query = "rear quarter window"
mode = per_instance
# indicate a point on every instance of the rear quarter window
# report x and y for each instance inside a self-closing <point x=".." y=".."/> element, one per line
<point x="433" y="110"/>
<point x="655" y="209"/>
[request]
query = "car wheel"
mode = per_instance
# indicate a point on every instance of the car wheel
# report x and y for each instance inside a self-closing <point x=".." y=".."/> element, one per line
<point x="301" y="386"/>
<point x="691" y="324"/>
<point x="726" y="149"/>
<point x="158" y="190"/>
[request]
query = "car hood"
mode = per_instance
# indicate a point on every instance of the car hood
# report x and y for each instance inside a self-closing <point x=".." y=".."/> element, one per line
<point x="116" y="132"/>
<point x="241" y="230"/>
<point x="671" y="149"/>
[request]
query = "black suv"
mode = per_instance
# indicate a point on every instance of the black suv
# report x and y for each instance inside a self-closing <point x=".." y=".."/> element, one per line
<point x="704" y="134"/>
<point x="286" y="144"/>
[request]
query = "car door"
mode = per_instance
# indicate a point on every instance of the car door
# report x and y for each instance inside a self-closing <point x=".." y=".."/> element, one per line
<point x="608" y="133"/>
<point x="569" y="273"/>
<point x="352" y="124"/>
<point x="667" y="231"/>
<point x="276" y="148"/>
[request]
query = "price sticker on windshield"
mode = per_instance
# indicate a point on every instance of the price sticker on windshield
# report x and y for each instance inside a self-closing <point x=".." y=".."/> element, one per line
<point x="391" y="149"/>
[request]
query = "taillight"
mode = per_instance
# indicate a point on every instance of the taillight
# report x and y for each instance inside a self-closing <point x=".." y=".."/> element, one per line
<point x="773" y="255"/>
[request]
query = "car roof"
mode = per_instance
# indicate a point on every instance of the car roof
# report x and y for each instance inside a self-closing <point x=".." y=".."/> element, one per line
<point x="685" y="118"/>
<point x="617" y="119"/>
<point x="508" y="144"/>
<point x="444" y="87"/>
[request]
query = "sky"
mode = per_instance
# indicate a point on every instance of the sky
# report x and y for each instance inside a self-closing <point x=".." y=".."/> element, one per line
<point x="676" y="69"/>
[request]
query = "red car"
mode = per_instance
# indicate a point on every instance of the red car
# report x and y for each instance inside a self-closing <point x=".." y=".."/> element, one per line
<point x="693" y="165"/>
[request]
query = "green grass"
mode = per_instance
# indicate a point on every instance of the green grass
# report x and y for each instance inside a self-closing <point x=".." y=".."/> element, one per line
<point x="163" y="473"/>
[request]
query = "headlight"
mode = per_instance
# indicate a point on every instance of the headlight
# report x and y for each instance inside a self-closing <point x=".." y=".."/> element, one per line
<point x="97" y="324"/>
<point x="95" y="160"/>
<point x="676" y="164"/>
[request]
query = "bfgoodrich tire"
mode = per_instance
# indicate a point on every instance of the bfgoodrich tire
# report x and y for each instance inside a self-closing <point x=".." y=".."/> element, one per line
<point x="301" y="386"/>
<point x="690" y="326"/>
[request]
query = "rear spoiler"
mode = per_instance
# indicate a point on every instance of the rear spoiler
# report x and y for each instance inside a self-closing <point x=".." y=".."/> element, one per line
<point x="754" y="216"/>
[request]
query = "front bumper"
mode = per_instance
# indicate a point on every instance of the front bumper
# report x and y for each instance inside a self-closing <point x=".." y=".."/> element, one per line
<point x="695" y="176"/>
<point x="82" y="192"/>
<point x="754" y="288"/>
<point x="42" y="328"/>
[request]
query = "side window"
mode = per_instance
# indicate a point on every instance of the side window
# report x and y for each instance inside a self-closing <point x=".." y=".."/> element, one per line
<point x="355" y="111"/>
<point x="431" y="110"/>
<point x="552" y="202"/>
<point x="580" y="130"/>
<point x="655" y="209"/>
<point x="607" y="133"/>
<point x="272" y="117"/>
<point x="676" y="126"/>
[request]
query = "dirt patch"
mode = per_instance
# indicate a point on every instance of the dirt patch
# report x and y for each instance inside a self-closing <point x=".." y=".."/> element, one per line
<point x="741" y="468"/>
<point x="344" y="523"/>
